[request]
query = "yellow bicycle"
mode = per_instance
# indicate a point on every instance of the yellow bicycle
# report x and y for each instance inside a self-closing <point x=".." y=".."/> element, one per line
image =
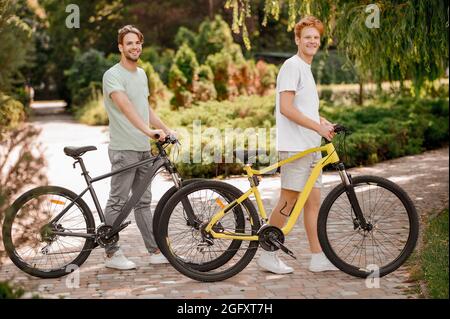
<point x="367" y="225"/>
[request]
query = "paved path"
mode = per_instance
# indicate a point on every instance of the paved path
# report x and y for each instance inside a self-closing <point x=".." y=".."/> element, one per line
<point x="424" y="177"/>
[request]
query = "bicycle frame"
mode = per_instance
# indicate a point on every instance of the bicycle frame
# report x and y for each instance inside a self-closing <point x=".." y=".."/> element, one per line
<point x="158" y="162"/>
<point x="331" y="158"/>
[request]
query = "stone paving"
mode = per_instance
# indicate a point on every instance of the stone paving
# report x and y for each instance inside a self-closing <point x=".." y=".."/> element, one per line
<point x="424" y="177"/>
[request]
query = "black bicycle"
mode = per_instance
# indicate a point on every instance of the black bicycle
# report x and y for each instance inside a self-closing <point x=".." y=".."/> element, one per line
<point x="49" y="228"/>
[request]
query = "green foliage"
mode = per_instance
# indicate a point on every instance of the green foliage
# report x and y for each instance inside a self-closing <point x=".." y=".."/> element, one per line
<point x="183" y="73"/>
<point x="184" y="35"/>
<point x="15" y="44"/>
<point x="417" y="27"/>
<point x="9" y="291"/>
<point x="429" y="264"/>
<point x="434" y="257"/>
<point x="85" y="76"/>
<point x="393" y="128"/>
<point x="385" y="128"/>
<point x="160" y="59"/>
<point x="189" y="81"/>
<point x="244" y="112"/>
<point x="12" y="113"/>
<point x="213" y="36"/>
<point x="234" y="76"/>
<point x="159" y="94"/>
<point x="99" y="22"/>
<point x="187" y="63"/>
<point x="93" y="112"/>
<point x="330" y="67"/>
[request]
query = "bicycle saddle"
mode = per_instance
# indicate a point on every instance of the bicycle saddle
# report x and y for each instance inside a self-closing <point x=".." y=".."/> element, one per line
<point x="245" y="156"/>
<point x="74" y="151"/>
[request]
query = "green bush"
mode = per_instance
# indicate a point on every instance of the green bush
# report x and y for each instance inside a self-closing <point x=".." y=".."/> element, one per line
<point x="9" y="291"/>
<point x="85" y="76"/>
<point x="93" y="112"/>
<point x="392" y="128"/>
<point x="159" y="94"/>
<point x="12" y="113"/>
<point x="183" y="75"/>
<point x="329" y="67"/>
<point x="213" y="36"/>
<point x="160" y="59"/>
<point x="184" y="35"/>
<point x="382" y="130"/>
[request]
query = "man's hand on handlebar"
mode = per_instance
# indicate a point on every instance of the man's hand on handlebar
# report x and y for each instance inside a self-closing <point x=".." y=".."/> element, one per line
<point x="158" y="135"/>
<point x="326" y="131"/>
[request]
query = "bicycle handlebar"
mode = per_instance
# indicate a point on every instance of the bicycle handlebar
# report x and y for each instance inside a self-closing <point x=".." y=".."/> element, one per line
<point x="338" y="128"/>
<point x="168" y="140"/>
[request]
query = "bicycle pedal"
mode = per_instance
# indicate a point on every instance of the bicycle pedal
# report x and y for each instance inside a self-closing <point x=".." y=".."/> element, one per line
<point x="283" y="248"/>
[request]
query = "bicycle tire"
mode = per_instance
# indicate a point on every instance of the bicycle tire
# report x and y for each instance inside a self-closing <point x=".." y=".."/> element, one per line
<point x="360" y="271"/>
<point x="194" y="271"/>
<point x="163" y="201"/>
<point x="9" y="224"/>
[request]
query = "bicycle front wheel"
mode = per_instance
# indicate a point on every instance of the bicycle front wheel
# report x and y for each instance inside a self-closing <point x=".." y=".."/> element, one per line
<point x="30" y="240"/>
<point x="188" y="247"/>
<point x="385" y="245"/>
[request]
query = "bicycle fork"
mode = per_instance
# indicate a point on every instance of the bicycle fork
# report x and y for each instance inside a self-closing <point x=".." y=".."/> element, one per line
<point x="346" y="178"/>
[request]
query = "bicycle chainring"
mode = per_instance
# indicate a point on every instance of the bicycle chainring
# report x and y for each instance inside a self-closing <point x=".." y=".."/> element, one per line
<point x="267" y="234"/>
<point x="102" y="232"/>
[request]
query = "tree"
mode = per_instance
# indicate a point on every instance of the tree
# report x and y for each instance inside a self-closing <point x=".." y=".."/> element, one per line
<point x="99" y="21"/>
<point x="15" y="44"/>
<point x="411" y="42"/>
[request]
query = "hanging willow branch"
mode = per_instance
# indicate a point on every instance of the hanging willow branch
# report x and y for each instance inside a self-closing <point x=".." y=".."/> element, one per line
<point x="411" y="41"/>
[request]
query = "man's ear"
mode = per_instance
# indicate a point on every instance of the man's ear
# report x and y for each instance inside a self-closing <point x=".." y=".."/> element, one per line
<point x="120" y="47"/>
<point x="297" y="40"/>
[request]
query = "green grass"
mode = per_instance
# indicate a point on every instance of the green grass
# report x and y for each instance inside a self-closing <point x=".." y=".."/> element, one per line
<point x="9" y="291"/>
<point x="431" y="262"/>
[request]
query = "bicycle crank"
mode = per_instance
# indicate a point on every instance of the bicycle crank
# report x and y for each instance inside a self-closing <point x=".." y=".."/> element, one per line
<point x="271" y="238"/>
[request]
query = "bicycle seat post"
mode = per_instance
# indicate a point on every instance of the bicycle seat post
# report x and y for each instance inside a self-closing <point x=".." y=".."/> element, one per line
<point x="84" y="173"/>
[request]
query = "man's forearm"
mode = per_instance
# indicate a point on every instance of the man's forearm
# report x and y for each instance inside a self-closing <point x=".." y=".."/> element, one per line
<point x="301" y="119"/>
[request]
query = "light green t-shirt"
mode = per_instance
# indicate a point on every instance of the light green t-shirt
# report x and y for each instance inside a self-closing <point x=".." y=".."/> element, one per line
<point x="123" y="134"/>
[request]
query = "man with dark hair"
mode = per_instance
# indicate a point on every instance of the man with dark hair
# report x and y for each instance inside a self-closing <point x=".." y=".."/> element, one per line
<point x="126" y="93"/>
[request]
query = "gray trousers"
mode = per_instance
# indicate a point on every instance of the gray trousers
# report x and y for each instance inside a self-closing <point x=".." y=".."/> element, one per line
<point x="121" y="185"/>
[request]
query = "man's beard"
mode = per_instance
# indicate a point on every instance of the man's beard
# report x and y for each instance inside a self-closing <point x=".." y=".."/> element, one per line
<point x="130" y="58"/>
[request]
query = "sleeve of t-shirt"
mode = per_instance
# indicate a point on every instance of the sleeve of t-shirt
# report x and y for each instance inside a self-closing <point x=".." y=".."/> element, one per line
<point x="288" y="78"/>
<point x="111" y="84"/>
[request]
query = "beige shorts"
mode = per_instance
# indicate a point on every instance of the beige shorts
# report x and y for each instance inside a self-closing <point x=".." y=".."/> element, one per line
<point x="294" y="175"/>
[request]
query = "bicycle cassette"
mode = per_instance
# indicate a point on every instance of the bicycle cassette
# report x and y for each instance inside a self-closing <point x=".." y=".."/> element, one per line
<point x="268" y="236"/>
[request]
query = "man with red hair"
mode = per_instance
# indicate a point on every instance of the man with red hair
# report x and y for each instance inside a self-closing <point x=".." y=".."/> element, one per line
<point x="299" y="127"/>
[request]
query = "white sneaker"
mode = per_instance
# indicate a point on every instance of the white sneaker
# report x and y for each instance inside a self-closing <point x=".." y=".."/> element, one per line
<point x="119" y="261"/>
<point x="319" y="262"/>
<point x="159" y="258"/>
<point x="270" y="261"/>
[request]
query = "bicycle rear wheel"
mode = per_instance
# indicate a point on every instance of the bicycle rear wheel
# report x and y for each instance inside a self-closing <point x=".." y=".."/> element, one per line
<point x="380" y="250"/>
<point x="30" y="241"/>
<point x="184" y="244"/>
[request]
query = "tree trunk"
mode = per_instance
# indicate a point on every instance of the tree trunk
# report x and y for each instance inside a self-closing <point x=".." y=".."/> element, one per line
<point x="211" y="9"/>
<point x="361" y="91"/>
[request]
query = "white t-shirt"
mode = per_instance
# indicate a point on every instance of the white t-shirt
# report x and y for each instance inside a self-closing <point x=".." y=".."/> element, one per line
<point x="295" y="75"/>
